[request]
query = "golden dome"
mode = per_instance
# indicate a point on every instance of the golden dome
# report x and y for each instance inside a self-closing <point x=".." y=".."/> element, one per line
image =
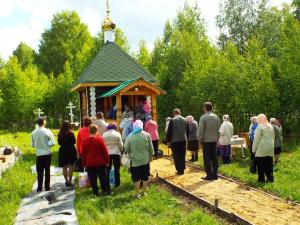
<point x="108" y="24"/>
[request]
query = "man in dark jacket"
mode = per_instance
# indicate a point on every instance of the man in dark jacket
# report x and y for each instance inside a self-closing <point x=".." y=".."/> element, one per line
<point x="177" y="138"/>
<point x="209" y="126"/>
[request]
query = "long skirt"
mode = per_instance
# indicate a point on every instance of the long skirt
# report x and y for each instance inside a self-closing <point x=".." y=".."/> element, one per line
<point x="225" y="152"/>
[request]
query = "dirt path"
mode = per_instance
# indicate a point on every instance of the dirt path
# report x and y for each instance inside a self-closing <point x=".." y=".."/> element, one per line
<point x="257" y="207"/>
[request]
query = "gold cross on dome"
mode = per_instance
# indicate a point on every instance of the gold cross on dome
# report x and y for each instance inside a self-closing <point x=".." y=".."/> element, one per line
<point x="107" y="9"/>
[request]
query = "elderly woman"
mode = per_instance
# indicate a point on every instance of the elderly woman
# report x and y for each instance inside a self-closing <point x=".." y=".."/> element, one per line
<point x="226" y="133"/>
<point x="193" y="142"/>
<point x="139" y="147"/>
<point x="263" y="148"/>
<point x="252" y="129"/>
<point x="278" y="139"/>
<point x="114" y="145"/>
<point x="151" y="128"/>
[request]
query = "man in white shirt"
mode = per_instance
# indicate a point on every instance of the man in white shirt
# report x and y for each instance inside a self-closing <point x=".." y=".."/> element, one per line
<point x="100" y="123"/>
<point x="42" y="140"/>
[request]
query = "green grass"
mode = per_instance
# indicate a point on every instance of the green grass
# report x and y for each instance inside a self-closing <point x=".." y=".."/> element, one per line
<point x="158" y="207"/>
<point x="286" y="173"/>
<point x="17" y="181"/>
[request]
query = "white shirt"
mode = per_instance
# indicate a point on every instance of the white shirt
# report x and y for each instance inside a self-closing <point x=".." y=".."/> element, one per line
<point x="226" y="133"/>
<point x="113" y="142"/>
<point x="42" y="139"/>
<point x="102" y="126"/>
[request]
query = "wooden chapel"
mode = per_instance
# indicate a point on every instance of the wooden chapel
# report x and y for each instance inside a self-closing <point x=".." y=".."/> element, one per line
<point x="114" y="79"/>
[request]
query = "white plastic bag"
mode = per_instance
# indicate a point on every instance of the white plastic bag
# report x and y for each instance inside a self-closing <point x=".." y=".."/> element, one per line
<point x="84" y="181"/>
<point x="125" y="160"/>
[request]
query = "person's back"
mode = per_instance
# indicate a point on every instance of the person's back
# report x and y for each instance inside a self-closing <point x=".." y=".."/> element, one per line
<point x="151" y="128"/>
<point x="209" y="125"/>
<point x="179" y="129"/>
<point x="102" y="126"/>
<point x="193" y="131"/>
<point x="226" y="133"/>
<point x="139" y="147"/>
<point x="113" y="142"/>
<point x="42" y="140"/>
<point x="264" y="141"/>
<point x="94" y="152"/>
<point x="83" y="134"/>
<point x="278" y="136"/>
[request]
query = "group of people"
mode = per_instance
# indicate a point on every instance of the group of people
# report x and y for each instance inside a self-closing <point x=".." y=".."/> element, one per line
<point x="265" y="144"/>
<point x="185" y="133"/>
<point x="215" y="138"/>
<point x="99" y="146"/>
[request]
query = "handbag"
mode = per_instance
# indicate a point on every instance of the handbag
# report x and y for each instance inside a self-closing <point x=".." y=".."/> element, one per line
<point x="125" y="160"/>
<point x="84" y="180"/>
<point x="78" y="167"/>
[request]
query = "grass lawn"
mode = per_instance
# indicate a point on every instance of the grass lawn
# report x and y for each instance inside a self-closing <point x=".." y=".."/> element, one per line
<point x="286" y="173"/>
<point x="158" y="207"/>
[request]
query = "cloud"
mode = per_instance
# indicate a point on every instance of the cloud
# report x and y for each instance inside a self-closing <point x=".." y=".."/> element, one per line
<point x="139" y="19"/>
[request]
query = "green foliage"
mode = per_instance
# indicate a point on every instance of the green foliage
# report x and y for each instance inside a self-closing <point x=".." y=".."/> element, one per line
<point x="25" y="54"/>
<point x="174" y="53"/>
<point x="256" y="69"/>
<point x="58" y="96"/>
<point x="23" y="91"/>
<point x="237" y="20"/>
<point x="67" y="40"/>
<point x="143" y="55"/>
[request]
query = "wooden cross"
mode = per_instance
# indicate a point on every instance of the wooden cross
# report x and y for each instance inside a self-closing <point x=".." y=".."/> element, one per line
<point x="71" y="107"/>
<point x="39" y="112"/>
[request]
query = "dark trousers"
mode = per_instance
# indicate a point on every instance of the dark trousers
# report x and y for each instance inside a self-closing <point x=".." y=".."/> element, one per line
<point x="43" y="163"/>
<point x="178" y="151"/>
<point x="265" y="167"/>
<point x="210" y="159"/>
<point x="99" y="172"/>
<point x="155" y="147"/>
<point x="253" y="164"/>
<point x="116" y="161"/>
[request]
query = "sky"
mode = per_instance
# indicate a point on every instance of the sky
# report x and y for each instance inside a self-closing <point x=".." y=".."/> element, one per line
<point x="25" y="20"/>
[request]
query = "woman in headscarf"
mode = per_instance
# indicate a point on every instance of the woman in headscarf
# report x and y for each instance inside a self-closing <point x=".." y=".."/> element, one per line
<point x="139" y="147"/>
<point x="226" y="133"/>
<point x="252" y="129"/>
<point x="278" y="138"/>
<point x="263" y="148"/>
<point x="193" y="143"/>
<point x="114" y="145"/>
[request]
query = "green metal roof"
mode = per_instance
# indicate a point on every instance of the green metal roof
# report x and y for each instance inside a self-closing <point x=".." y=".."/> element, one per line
<point x="117" y="88"/>
<point x="113" y="64"/>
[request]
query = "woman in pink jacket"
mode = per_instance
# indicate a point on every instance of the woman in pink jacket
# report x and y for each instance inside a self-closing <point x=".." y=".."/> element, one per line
<point x="151" y="128"/>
